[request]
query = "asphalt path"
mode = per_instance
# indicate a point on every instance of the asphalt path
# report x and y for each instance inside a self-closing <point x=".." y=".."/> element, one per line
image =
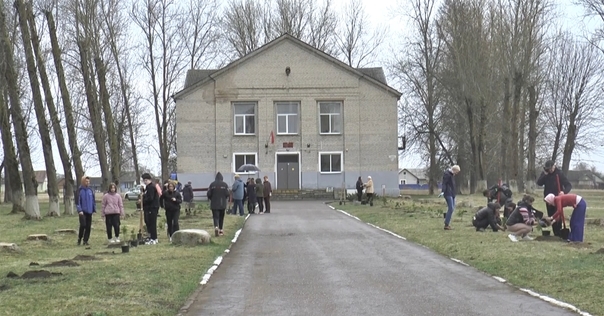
<point x="307" y="259"/>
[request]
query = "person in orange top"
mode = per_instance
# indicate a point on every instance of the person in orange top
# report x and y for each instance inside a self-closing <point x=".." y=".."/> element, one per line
<point x="577" y="219"/>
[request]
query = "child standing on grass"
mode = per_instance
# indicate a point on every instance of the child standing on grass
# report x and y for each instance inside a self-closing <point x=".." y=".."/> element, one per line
<point x="170" y="201"/>
<point x="86" y="206"/>
<point x="112" y="211"/>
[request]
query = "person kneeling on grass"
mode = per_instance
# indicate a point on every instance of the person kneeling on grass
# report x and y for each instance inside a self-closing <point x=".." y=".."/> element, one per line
<point x="112" y="211"/>
<point x="577" y="219"/>
<point x="521" y="221"/>
<point x="487" y="216"/>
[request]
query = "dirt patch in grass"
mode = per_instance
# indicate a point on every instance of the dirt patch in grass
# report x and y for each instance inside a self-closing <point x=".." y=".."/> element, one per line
<point x="85" y="258"/>
<point x="600" y="251"/>
<point x="36" y="274"/>
<point x="549" y="238"/>
<point x="4" y="287"/>
<point x="62" y="263"/>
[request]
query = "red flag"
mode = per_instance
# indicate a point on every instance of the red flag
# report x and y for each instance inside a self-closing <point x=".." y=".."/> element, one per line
<point x="272" y="137"/>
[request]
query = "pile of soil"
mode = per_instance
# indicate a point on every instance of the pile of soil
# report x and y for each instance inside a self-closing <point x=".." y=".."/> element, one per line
<point x="35" y="274"/>
<point x="600" y="251"/>
<point x="33" y="264"/>
<point x="63" y="263"/>
<point x="580" y="245"/>
<point x="106" y="253"/>
<point x="85" y="258"/>
<point x="548" y="238"/>
<point x="4" y="287"/>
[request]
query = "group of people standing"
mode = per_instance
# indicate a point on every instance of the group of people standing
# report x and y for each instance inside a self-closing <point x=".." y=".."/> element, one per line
<point x="368" y="187"/>
<point x="256" y="192"/>
<point x="521" y="217"/>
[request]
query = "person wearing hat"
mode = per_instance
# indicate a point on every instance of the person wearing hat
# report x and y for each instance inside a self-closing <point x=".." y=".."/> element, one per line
<point x="238" y="188"/>
<point x="150" y="207"/>
<point x="553" y="182"/>
<point x="449" y="191"/>
<point x="369" y="190"/>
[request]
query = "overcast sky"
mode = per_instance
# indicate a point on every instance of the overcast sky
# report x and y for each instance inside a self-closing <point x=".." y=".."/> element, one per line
<point x="391" y="13"/>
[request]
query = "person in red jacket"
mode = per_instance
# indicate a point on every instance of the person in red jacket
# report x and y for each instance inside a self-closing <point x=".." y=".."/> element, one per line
<point x="577" y="219"/>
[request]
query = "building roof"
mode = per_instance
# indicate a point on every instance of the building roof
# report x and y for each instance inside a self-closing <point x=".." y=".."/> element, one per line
<point x="582" y="175"/>
<point x="197" y="78"/>
<point x="420" y="174"/>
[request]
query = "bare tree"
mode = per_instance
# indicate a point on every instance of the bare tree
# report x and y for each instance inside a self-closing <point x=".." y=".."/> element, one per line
<point x="13" y="183"/>
<point x="68" y="198"/>
<point x="418" y="65"/>
<point x="67" y="106"/>
<point x="357" y="44"/>
<point x="32" y="208"/>
<point x="575" y="82"/>
<point x="199" y="32"/>
<point x="164" y="62"/>
<point x="246" y="25"/>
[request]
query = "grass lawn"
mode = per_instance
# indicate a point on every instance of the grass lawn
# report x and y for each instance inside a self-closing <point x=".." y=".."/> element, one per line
<point x="149" y="280"/>
<point x="571" y="273"/>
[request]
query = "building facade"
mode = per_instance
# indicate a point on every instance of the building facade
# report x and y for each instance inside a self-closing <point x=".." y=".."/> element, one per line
<point x="307" y="120"/>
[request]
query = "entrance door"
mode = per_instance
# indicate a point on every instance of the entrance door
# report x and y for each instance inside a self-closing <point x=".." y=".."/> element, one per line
<point x="288" y="171"/>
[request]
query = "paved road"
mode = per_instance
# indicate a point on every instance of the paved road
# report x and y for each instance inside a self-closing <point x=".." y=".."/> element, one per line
<point x="306" y="259"/>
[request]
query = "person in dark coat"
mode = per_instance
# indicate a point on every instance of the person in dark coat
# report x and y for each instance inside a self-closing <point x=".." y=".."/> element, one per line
<point x="553" y="182"/>
<point x="170" y="201"/>
<point x="359" y="189"/>
<point x="260" y="195"/>
<point x="150" y="207"/>
<point x="251" y="196"/>
<point x="187" y="197"/>
<point x="486" y="217"/>
<point x="498" y="194"/>
<point x="268" y="192"/>
<point x="449" y="191"/>
<point x="218" y="193"/>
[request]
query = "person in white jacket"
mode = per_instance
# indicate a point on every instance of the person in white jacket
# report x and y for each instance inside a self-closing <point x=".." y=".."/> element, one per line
<point x="369" y="190"/>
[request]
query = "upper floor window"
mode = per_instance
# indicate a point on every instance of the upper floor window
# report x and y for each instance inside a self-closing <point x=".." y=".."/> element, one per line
<point x="330" y="114"/>
<point x="287" y="117"/>
<point x="245" y="118"/>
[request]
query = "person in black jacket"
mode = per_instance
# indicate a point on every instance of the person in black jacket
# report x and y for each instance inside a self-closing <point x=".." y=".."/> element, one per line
<point x="187" y="197"/>
<point x="150" y="207"/>
<point x="360" y="189"/>
<point x="251" y="196"/>
<point x="498" y="194"/>
<point x="218" y="193"/>
<point x="486" y="217"/>
<point x="554" y="182"/>
<point x="449" y="191"/>
<point x="170" y="201"/>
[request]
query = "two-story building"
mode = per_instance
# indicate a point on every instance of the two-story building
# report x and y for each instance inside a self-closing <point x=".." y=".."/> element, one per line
<point x="307" y="120"/>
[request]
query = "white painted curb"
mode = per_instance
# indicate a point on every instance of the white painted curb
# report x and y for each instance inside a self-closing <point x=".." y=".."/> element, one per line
<point x="206" y="277"/>
<point x="502" y="280"/>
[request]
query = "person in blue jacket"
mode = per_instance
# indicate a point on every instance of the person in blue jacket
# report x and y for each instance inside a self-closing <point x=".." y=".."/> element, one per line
<point x="238" y="190"/>
<point x="86" y="206"/>
<point x="449" y="191"/>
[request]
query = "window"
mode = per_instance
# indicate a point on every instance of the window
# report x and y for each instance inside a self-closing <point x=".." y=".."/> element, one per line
<point x="330" y="162"/>
<point x="287" y="117"/>
<point x="241" y="159"/>
<point x="330" y="115"/>
<point x="245" y="118"/>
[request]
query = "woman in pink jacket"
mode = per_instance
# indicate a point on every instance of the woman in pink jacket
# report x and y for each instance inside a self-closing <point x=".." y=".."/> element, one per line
<point x="113" y="210"/>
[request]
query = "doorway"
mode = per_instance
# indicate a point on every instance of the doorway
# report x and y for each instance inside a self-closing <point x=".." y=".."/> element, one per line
<point x="288" y="171"/>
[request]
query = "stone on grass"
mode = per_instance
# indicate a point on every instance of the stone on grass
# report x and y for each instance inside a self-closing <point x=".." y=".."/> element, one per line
<point x="12" y="247"/>
<point x="191" y="237"/>
<point x="37" y="237"/>
<point x="66" y="231"/>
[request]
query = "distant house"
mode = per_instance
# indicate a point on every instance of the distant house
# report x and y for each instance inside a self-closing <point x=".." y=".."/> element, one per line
<point x="41" y="180"/>
<point x="412" y="176"/>
<point x="584" y="179"/>
<point x="127" y="181"/>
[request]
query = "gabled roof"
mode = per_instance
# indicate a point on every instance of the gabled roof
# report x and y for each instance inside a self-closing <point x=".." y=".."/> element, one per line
<point x="420" y="174"/>
<point x="197" y="78"/>
<point x="582" y="175"/>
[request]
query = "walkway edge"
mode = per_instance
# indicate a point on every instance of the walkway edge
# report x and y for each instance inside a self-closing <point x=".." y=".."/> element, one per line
<point x="542" y="297"/>
<point x="206" y="277"/>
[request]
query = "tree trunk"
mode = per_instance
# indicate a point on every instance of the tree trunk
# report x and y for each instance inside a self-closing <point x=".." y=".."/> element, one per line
<point x="51" y="173"/>
<point x="531" y="171"/>
<point x="54" y="117"/>
<point x="68" y="108"/>
<point x="95" y="116"/>
<point x="114" y="149"/>
<point x="469" y="103"/>
<point x="505" y="140"/>
<point x="32" y="208"/>
<point x="434" y="170"/>
<point x="515" y="138"/>
<point x="521" y="143"/>
<point x="482" y="134"/>
<point x="13" y="187"/>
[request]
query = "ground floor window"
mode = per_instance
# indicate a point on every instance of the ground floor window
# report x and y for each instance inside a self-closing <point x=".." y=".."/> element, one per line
<point x="240" y="159"/>
<point x="330" y="162"/>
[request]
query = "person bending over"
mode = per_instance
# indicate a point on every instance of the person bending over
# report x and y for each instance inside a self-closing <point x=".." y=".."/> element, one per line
<point x="486" y="217"/>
